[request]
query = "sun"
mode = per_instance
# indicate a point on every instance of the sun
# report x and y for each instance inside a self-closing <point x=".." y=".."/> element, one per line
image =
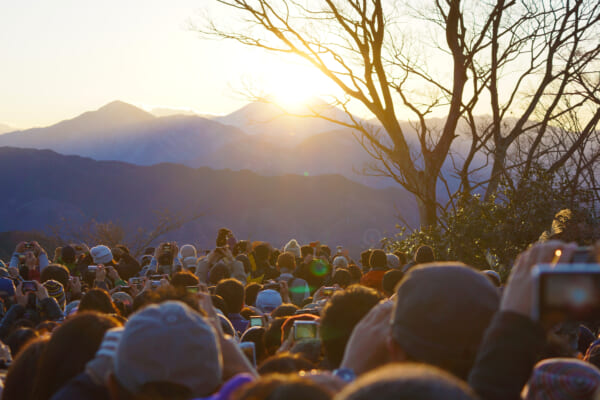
<point x="293" y="87"/>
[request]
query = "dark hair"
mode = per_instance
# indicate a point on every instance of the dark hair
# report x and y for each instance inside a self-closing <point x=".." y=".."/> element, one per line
<point x="274" y="255"/>
<point x="256" y="335"/>
<point x="284" y="310"/>
<point x="390" y="280"/>
<point x="340" y="315"/>
<point x="163" y="294"/>
<point x="56" y="272"/>
<point x="402" y="257"/>
<point x="342" y="277"/>
<point x="21" y="373"/>
<point x="272" y="336"/>
<point x="251" y="291"/>
<point x="365" y="258"/>
<point x="378" y="259"/>
<point x="219" y="303"/>
<point x="424" y="254"/>
<point x="355" y="273"/>
<point x="70" y="347"/>
<point x="407" y="382"/>
<point x="240" y="247"/>
<point x="324" y="250"/>
<point x="182" y="279"/>
<point x="19" y="338"/>
<point x="311" y="349"/>
<point x="232" y="291"/>
<point x="218" y="272"/>
<point x="306" y="250"/>
<point x="286" y="260"/>
<point x="262" y="252"/>
<point x="222" y="237"/>
<point x="285" y="363"/>
<point x="67" y="254"/>
<point x="282" y="387"/>
<point x="97" y="300"/>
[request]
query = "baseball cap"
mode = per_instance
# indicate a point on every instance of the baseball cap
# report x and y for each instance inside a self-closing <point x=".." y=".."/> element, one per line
<point x="268" y="300"/>
<point x="172" y="343"/>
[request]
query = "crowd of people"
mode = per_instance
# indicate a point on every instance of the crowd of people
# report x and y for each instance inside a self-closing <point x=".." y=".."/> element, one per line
<point x="247" y="321"/>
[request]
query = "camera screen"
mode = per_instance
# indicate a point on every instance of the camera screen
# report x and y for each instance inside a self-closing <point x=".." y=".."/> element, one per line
<point x="305" y="330"/>
<point x="256" y="321"/>
<point x="569" y="296"/>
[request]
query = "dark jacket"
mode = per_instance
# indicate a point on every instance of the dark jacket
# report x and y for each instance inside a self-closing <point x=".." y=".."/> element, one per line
<point x="506" y="358"/>
<point x="82" y="387"/>
<point x="48" y="310"/>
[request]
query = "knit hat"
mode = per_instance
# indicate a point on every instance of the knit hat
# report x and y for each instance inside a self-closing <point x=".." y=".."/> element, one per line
<point x="187" y="250"/>
<point x="172" y="343"/>
<point x="123" y="297"/>
<point x="393" y="261"/>
<point x="293" y="247"/>
<point x="443" y="297"/>
<point x="563" y="378"/>
<point x="7" y="287"/>
<point x="268" y="300"/>
<point x="55" y="289"/>
<point x="340" y="262"/>
<point x="101" y="254"/>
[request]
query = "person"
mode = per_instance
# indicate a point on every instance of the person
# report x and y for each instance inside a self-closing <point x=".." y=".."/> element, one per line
<point x="71" y="346"/>
<point x="407" y="382"/>
<point x="438" y="317"/>
<point x="180" y="333"/>
<point x="223" y="256"/>
<point x="28" y="260"/>
<point x="298" y="288"/>
<point x="188" y="257"/>
<point x="268" y="300"/>
<point x="283" y="387"/>
<point x="23" y="369"/>
<point x="374" y="277"/>
<point x="340" y="315"/>
<point x="232" y="291"/>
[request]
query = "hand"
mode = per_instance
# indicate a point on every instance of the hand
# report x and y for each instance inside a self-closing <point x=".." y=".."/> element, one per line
<point x="13" y="272"/>
<point x="20" y="247"/>
<point x="164" y="282"/>
<point x="518" y="294"/>
<point x="37" y="249"/>
<point x="41" y="291"/>
<point x="75" y="285"/>
<point x="284" y="291"/>
<point x="20" y="296"/>
<point x="100" y="273"/>
<point x="367" y="346"/>
<point x="30" y="260"/>
<point x="112" y="273"/>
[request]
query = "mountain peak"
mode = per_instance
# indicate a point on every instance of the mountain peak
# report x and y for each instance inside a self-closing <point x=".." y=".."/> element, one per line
<point x="120" y="107"/>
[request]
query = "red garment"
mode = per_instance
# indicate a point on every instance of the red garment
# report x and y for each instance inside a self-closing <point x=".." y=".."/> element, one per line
<point x="373" y="279"/>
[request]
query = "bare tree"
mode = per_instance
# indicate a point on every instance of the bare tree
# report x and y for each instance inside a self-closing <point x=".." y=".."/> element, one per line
<point x="512" y="59"/>
<point x="110" y="233"/>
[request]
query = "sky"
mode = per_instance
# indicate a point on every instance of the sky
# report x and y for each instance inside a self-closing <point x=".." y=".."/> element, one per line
<point x="61" y="58"/>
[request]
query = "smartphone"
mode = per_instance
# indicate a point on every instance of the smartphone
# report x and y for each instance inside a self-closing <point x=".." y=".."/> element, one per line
<point x="29" y="286"/>
<point x="136" y="281"/>
<point x="328" y="291"/>
<point x="249" y="350"/>
<point x="28" y="246"/>
<point x="256" y="320"/>
<point x="566" y="292"/>
<point x="305" y="330"/>
<point x="159" y="277"/>
<point x="155" y="284"/>
<point x="92" y="267"/>
<point x="192" y="289"/>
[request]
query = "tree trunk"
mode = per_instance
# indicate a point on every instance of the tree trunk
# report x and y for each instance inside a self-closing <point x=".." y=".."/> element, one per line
<point x="497" y="171"/>
<point x="427" y="201"/>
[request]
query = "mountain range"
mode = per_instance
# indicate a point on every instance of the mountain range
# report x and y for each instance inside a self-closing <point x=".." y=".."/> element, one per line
<point x="257" y="137"/>
<point x="43" y="187"/>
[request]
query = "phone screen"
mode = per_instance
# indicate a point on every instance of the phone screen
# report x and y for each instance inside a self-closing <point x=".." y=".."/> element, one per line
<point x="305" y="330"/>
<point x="256" y="321"/>
<point x="249" y="350"/>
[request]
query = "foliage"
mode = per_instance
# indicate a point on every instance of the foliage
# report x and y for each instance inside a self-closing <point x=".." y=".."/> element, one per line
<point x="489" y="234"/>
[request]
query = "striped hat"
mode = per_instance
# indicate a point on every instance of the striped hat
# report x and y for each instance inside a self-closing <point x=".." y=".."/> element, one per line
<point x="563" y="378"/>
<point x="55" y="289"/>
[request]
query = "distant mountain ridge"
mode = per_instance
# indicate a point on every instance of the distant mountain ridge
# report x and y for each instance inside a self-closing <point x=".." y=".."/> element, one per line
<point x="48" y="186"/>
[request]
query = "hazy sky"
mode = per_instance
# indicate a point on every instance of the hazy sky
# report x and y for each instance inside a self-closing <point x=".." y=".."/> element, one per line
<point x="60" y="58"/>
